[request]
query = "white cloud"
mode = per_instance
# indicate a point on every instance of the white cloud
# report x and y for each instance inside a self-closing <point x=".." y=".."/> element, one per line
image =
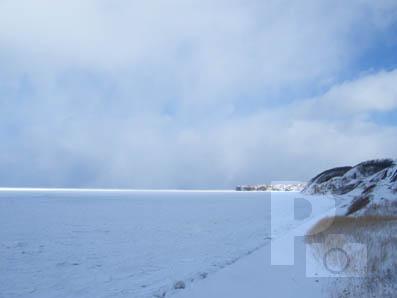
<point x="374" y="92"/>
<point x="178" y="93"/>
<point x="212" y="48"/>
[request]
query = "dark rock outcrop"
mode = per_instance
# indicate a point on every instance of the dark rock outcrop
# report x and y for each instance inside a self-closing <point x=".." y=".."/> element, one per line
<point x="329" y="174"/>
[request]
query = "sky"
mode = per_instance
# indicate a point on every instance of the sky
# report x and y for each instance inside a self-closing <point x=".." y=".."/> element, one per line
<point x="193" y="94"/>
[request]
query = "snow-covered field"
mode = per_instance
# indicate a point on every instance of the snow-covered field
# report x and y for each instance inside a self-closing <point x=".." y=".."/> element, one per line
<point x="130" y="244"/>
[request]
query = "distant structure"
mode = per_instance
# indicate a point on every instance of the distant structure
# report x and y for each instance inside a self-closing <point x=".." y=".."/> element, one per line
<point x="272" y="187"/>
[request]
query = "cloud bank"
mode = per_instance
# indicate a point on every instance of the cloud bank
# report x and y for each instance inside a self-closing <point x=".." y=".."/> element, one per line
<point x="192" y="94"/>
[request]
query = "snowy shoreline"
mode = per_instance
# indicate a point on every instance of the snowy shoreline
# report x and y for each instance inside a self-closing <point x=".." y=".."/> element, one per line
<point x="120" y="190"/>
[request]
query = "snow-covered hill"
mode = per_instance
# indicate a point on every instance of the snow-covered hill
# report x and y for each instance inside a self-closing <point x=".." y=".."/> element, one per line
<point x="371" y="184"/>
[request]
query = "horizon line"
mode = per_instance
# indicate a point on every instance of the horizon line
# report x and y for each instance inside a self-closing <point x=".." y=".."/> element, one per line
<point x="109" y="190"/>
<point x="76" y="189"/>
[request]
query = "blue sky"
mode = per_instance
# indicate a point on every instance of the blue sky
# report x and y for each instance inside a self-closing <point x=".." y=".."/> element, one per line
<point x="193" y="94"/>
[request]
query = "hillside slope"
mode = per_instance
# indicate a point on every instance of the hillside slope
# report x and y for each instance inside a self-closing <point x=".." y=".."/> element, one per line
<point x="372" y="185"/>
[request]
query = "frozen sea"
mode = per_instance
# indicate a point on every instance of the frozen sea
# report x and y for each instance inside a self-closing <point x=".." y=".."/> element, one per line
<point x="132" y="243"/>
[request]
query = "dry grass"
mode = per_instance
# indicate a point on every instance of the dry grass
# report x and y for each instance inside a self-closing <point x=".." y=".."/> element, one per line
<point x="346" y="224"/>
<point x="379" y="236"/>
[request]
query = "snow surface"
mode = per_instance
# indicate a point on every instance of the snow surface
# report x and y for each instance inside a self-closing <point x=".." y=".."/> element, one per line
<point x="256" y="277"/>
<point x="141" y="243"/>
